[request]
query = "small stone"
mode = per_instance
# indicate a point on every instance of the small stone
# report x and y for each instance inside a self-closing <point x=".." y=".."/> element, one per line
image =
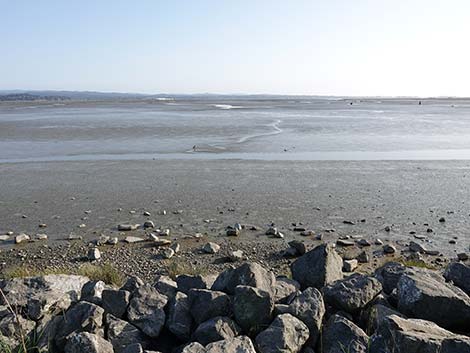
<point x="133" y="239"/>
<point x="420" y="237"/>
<point x="429" y="230"/>
<point x="349" y="265"/>
<point x="452" y="241"/>
<point x="83" y="225"/>
<point x="271" y="231"/>
<point x="163" y="213"/>
<point x="43" y="225"/>
<point x="342" y="242"/>
<point x="299" y="229"/>
<point x="389" y="249"/>
<point x="231" y="232"/>
<point x="299" y="247"/>
<point x="147" y="214"/>
<point x="307" y="233"/>
<point x="149" y="224"/>
<point x="167" y="253"/>
<point x="41" y="236"/>
<point x="387" y="228"/>
<point x="349" y="222"/>
<point x="127" y="227"/>
<point x="162" y="242"/>
<point x="238" y="226"/>
<point x="442" y="220"/>
<point x="176" y="247"/>
<point x="415" y="247"/>
<point x="4" y="237"/>
<point x="378" y="242"/>
<point x="363" y="258"/>
<point x="94" y="254"/>
<point x="462" y="256"/>
<point x="112" y="241"/>
<point x="211" y="248"/>
<point x="163" y="233"/>
<point x="236" y="255"/>
<point x="21" y="238"/>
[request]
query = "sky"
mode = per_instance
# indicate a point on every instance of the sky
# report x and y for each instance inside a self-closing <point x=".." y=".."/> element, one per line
<point x="328" y="47"/>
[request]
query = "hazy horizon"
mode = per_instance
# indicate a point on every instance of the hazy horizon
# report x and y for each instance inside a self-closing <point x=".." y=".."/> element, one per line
<point x="301" y="47"/>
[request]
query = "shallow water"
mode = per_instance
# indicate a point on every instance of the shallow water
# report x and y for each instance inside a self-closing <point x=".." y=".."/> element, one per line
<point x="287" y="128"/>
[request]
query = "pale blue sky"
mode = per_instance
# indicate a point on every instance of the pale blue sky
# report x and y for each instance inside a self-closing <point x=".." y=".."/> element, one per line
<point x="338" y="47"/>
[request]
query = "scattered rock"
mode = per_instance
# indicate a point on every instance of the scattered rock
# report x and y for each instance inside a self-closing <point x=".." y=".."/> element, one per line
<point x="389" y="249"/>
<point x="167" y="253"/>
<point x="21" y="238"/>
<point x="252" y="308"/>
<point x="216" y="329"/>
<point x="94" y="254"/>
<point x="211" y="248"/>
<point x="127" y="227"/>
<point x="459" y="274"/>
<point x="132" y="240"/>
<point x="236" y="255"/>
<point x="179" y="319"/>
<point x="206" y="304"/>
<point x="342" y="335"/>
<point x="115" y="302"/>
<point x="87" y="342"/>
<point x="349" y="265"/>
<point x="318" y="267"/>
<point x="149" y="224"/>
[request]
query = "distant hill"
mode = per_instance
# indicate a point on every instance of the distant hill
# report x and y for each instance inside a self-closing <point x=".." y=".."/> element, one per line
<point x="13" y="97"/>
<point x="18" y="95"/>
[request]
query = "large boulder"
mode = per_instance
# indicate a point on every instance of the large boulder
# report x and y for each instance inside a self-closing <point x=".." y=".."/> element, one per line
<point x="206" y="304"/>
<point x="216" y="329"/>
<point x="186" y="282"/>
<point x="179" y="319"/>
<point x="252" y="308"/>
<point x="248" y="274"/>
<point x="397" y="334"/>
<point x="92" y="292"/>
<point x="318" y="267"/>
<point x="284" y="289"/>
<point x="87" y="342"/>
<point x="341" y="335"/>
<point x="122" y="334"/>
<point x="82" y="317"/>
<point x="459" y="274"/>
<point x="309" y="307"/>
<point x="240" y="344"/>
<point x="352" y="293"/>
<point x="146" y="310"/>
<point x="13" y="328"/>
<point x="193" y="347"/>
<point x="38" y="296"/>
<point x="115" y="302"/>
<point x="166" y="286"/>
<point x="389" y="275"/>
<point x="424" y="294"/>
<point x="286" y="334"/>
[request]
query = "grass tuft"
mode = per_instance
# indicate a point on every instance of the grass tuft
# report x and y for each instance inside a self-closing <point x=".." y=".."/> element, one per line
<point x="175" y="269"/>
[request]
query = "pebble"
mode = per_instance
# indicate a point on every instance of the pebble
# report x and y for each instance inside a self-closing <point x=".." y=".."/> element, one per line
<point x="163" y="213"/>
<point x="127" y="227"/>
<point x="387" y="228"/>
<point x="231" y="232"/>
<point x="43" y="225"/>
<point x="82" y="225"/>
<point x="363" y="257"/>
<point x="462" y="256"/>
<point x="133" y="239"/>
<point x="236" y="255"/>
<point x="307" y="233"/>
<point x="415" y="247"/>
<point x="162" y="242"/>
<point x="4" y="237"/>
<point x="364" y="242"/>
<point x="420" y="237"/>
<point x="299" y="246"/>
<point x="149" y="224"/>
<point x="342" y="242"/>
<point x="167" y="253"/>
<point x="442" y="220"/>
<point x="211" y="248"/>
<point x="349" y="265"/>
<point x="94" y="254"/>
<point x="238" y="226"/>
<point x="349" y="222"/>
<point x="452" y="241"/>
<point x="20" y="238"/>
<point x="378" y="242"/>
<point x="176" y="247"/>
<point x="299" y="229"/>
<point x="41" y="236"/>
<point x="112" y="241"/>
<point x="147" y="214"/>
<point x="74" y="237"/>
<point x="389" y="249"/>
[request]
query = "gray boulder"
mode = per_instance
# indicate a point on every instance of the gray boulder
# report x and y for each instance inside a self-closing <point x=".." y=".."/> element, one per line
<point x="286" y="334"/>
<point x="459" y="274"/>
<point x="389" y="275"/>
<point x="179" y="320"/>
<point x="397" y="334"/>
<point x="206" y="304"/>
<point x="341" y="335"/>
<point x="82" y="317"/>
<point x="248" y="274"/>
<point x="87" y="342"/>
<point x="318" y="267"/>
<point x="216" y="329"/>
<point x="12" y="328"/>
<point x="352" y="293"/>
<point x="284" y="289"/>
<point x="193" y="347"/>
<point x="186" y="282"/>
<point x="115" y="302"/>
<point x="166" y="286"/>
<point x="132" y="283"/>
<point x="252" y="308"/>
<point x="309" y="307"/>
<point x="146" y="310"/>
<point x="92" y="291"/>
<point x="240" y="344"/>
<point x="424" y="294"/>
<point x="121" y="334"/>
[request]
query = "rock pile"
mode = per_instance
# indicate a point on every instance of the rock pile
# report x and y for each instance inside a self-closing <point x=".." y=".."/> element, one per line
<point x="246" y="309"/>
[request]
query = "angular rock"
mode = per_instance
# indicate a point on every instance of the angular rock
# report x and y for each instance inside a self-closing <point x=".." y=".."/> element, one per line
<point x="211" y="248"/>
<point x="193" y="347"/>
<point x="299" y="246"/>
<point x="22" y="238"/>
<point x="82" y="317"/>
<point x="350" y="265"/>
<point x="132" y="283"/>
<point x="92" y="292"/>
<point x="352" y="293"/>
<point x="87" y="342"/>
<point x="146" y="310"/>
<point x="389" y="274"/>
<point x="284" y="289"/>
<point x="166" y="286"/>
<point x="115" y="302"/>
<point x="127" y="227"/>
<point x="286" y="334"/>
<point x="94" y="254"/>
<point x="179" y="320"/>
<point x="397" y="334"/>
<point x="318" y="267"/>
<point x="459" y="274"/>
<point x="206" y="304"/>
<point x="131" y="239"/>
<point x="187" y="282"/>
<point x="341" y="335"/>
<point x="389" y="249"/>
<point x="122" y="334"/>
<point x="424" y="294"/>
<point x="216" y="329"/>
<point x="248" y="274"/>
<point x="309" y="307"/>
<point x="252" y="308"/>
<point x="240" y="344"/>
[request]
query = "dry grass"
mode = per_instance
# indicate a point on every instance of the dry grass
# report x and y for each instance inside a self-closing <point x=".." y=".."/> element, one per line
<point x="175" y="269"/>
